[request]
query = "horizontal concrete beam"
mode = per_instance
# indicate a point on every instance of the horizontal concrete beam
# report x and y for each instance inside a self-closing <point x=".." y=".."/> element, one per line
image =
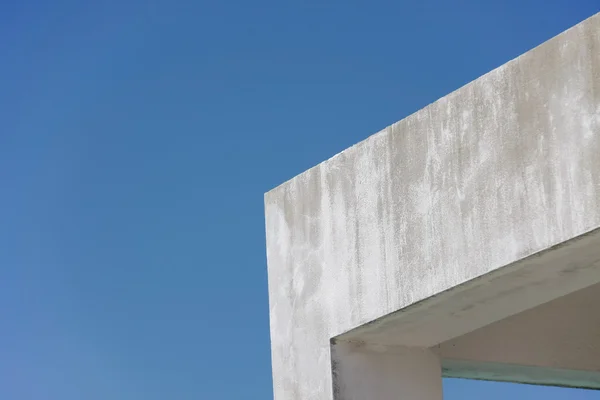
<point x="556" y="343"/>
<point x="523" y="285"/>
<point x="502" y="169"/>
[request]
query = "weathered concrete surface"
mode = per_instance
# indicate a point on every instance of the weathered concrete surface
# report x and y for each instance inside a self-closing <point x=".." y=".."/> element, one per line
<point x="522" y="285"/>
<point x="504" y="168"/>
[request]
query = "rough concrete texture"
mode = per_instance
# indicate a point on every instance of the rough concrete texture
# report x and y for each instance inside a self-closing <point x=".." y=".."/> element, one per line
<point x="501" y="169"/>
<point x="501" y="293"/>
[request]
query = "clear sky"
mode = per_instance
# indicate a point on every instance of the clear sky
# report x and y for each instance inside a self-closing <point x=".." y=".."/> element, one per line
<point x="137" y="138"/>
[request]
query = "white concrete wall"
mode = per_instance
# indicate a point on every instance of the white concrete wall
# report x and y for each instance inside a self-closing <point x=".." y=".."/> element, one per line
<point x="501" y="169"/>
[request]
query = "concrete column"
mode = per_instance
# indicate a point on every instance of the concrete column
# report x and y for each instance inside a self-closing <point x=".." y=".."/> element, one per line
<point x="366" y="372"/>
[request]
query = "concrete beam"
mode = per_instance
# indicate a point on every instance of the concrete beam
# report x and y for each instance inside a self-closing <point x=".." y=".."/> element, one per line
<point x="523" y="285"/>
<point x="556" y="343"/>
<point x="456" y="212"/>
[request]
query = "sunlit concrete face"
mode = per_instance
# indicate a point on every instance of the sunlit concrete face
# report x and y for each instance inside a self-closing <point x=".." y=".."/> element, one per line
<point x="410" y="254"/>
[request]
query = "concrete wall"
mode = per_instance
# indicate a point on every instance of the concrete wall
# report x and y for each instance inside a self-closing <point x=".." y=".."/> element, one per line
<point x="555" y="343"/>
<point x="501" y="169"/>
<point x="362" y="373"/>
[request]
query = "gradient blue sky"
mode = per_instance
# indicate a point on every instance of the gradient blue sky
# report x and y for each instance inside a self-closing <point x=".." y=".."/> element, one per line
<point x="137" y="138"/>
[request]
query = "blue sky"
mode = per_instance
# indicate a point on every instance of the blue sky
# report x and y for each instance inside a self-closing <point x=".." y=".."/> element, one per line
<point x="136" y="141"/>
